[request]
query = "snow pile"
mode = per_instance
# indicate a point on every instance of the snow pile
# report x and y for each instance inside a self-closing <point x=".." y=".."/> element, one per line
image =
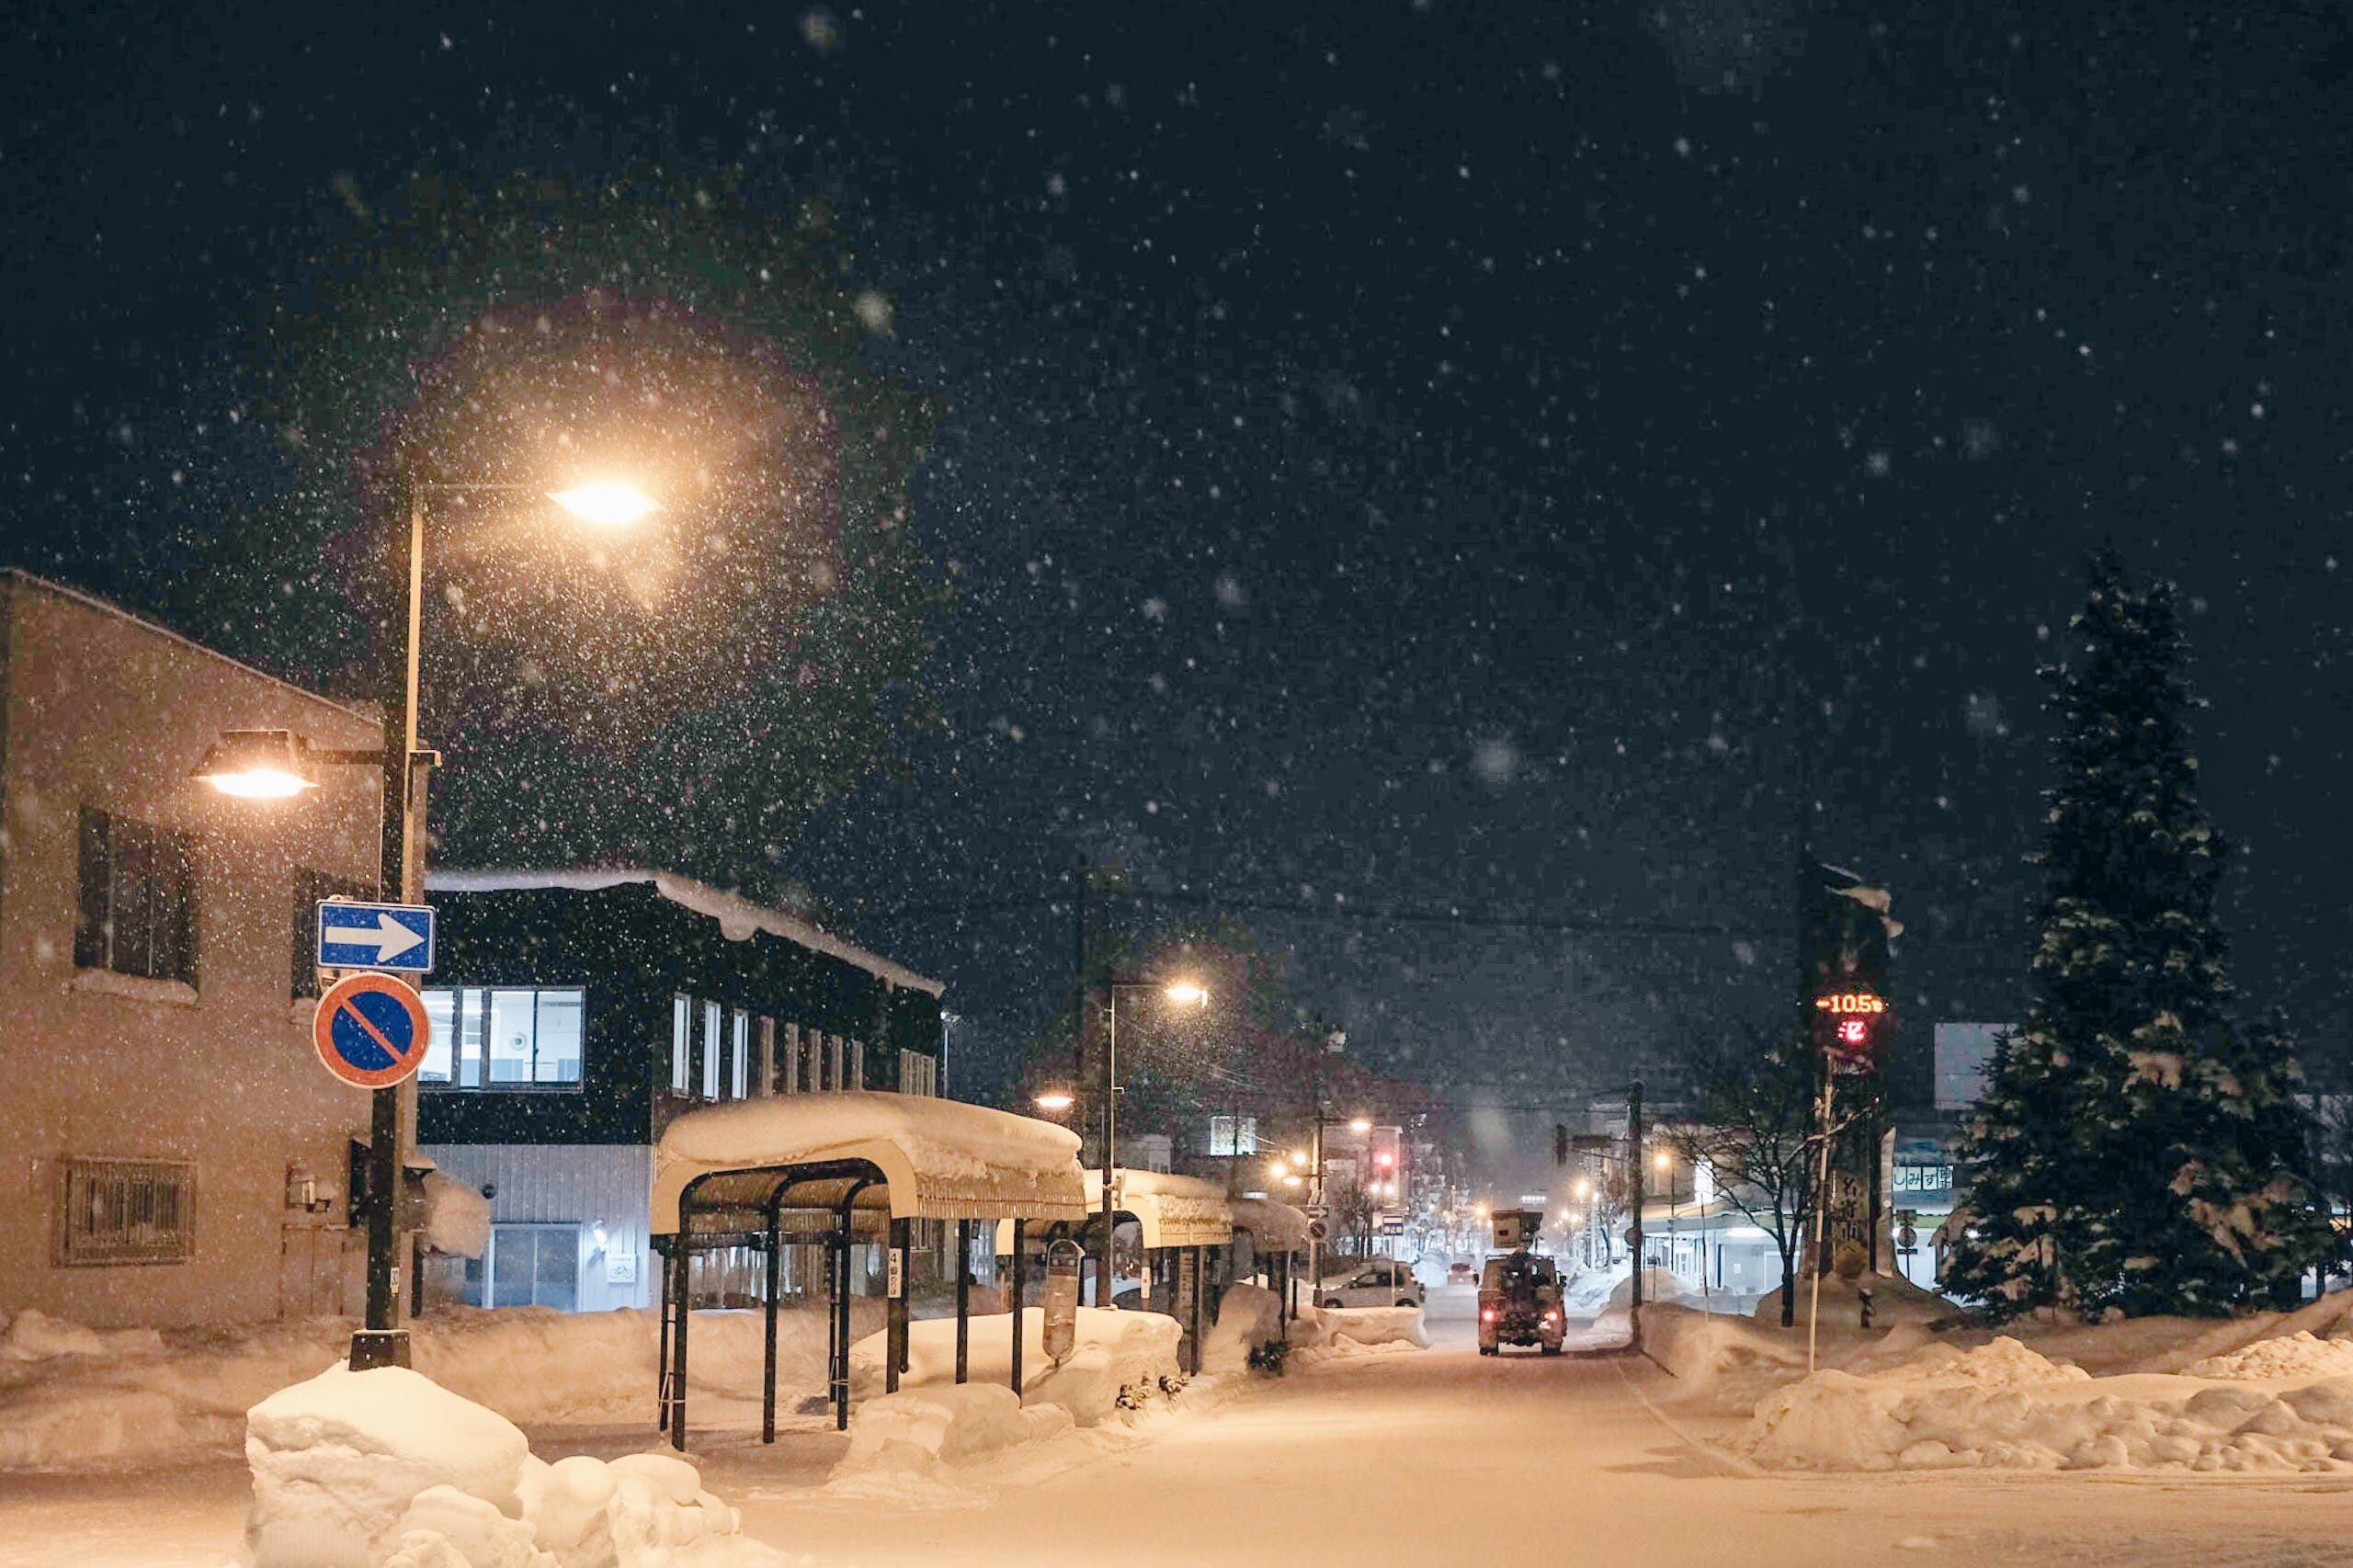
<point x="1342" y="1331"/>
<point x="1247" y="1317"/>
<point x="1703" y="1348"/>
<point x="141" y="1396"/>
<point x="1893" y="1300"/>
<point x="2299" y="1354"/>
<point x="385" y="1468"/>
<point x="2005" y="1406"/>
<point x="1118" y="1353"/>
<point x="457" y="1218"/>
<point x="917" y="1429"/>
<point x="1658" y="1284"/>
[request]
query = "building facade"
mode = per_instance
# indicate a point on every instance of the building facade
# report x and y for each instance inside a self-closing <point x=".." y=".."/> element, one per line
<point x="574" y="1014"/>
<point x="172" y="1152"/>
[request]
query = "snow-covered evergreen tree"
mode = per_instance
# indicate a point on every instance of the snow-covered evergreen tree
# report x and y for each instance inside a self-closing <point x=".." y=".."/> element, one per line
<point x="2136" y="1148"/>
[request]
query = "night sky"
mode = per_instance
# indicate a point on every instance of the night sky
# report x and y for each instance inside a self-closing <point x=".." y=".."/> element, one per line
<point x="1533" y="462"/>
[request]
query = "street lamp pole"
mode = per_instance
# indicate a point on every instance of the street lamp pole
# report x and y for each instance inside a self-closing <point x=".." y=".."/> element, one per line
<point x="392" y="1116"/>
<point x="1177" y="991"/>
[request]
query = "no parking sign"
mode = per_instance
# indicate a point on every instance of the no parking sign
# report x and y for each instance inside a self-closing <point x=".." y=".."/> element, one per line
<point x="371" y="1030"/>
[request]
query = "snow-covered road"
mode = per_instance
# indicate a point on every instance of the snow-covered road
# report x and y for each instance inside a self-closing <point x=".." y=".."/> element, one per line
<point x="1430" y="1459"/>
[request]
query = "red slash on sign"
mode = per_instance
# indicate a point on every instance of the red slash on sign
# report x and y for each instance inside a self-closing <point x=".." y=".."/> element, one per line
<point x="371" y="1030"/>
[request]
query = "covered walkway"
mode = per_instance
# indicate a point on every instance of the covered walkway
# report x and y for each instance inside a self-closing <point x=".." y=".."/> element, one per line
<point x="840" y="1169"/>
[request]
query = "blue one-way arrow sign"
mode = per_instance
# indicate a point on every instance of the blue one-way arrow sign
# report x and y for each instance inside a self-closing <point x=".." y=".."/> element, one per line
<point x="376" y="936"/>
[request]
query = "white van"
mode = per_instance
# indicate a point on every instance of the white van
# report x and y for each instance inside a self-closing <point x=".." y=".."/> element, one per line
<point x="1381" y="1282"/>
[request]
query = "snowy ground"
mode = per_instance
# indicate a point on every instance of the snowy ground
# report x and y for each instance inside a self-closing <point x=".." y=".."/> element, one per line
<point x="1442" y="1456"/>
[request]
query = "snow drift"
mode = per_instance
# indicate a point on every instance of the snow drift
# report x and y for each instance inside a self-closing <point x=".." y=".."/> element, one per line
<point x="2005" y="1406"/>
<point x="385" y="1468"/>
<point x="91" y="1399"/>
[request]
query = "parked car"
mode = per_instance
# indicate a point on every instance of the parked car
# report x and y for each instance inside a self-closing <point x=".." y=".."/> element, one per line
<point x="1461" y="1273"/>
<point x="1384" y="1282"/>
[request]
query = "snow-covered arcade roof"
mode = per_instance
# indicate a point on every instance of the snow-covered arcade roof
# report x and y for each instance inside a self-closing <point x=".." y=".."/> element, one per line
<point x="738" y="916"/>
<point x="1274" y="1227"/>
<point x="940" y="1159"/>
<point x="1171" y="1210"/>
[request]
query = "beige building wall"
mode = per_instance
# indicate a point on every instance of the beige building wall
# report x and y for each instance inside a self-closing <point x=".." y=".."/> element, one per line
<point x="101" y="710"/>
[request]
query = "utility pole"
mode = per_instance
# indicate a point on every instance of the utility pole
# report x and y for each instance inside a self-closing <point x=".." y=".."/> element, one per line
<point x="1634" y="1232"/>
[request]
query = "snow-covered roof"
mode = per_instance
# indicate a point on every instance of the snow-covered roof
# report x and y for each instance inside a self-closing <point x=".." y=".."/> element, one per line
<point x="941" y="1159"/>
<point x="738" y="916"/>
<point x="1171" y="1210"/>
<point x="1274" y="1227"/>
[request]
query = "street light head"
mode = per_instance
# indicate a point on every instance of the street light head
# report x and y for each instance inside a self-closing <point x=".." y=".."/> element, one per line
<point x="1583" y="1186"/>
<point x="1661" y="1159"/>
<point x="613" y="504"/>
<point x="1298" y="1158"/>
<point x="1184" y="993"/>
<point x="255" y="765"/>
<point x="1055" y="1100"/>
<point x="1359" y="1124"/>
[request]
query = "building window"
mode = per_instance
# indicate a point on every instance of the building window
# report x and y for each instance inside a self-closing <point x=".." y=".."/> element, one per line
<point x="713" y="1052"/>
<point x="527" y="1265"/>
<point x="1233" y="1135"/>
<point x="126" y="1211"/>
<point x="918" y="1073"/>
<point x="768" y="1083"/>
<point x="682" y="1011"/>
<point x="138" y="898"/>
<point x="503" y="1037"/>
<point x="311" y="889"/>
<point x="739" y="1056"/>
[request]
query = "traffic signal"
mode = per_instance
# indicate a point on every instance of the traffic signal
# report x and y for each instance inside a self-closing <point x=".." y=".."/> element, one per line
<point x="1845" y="929"/>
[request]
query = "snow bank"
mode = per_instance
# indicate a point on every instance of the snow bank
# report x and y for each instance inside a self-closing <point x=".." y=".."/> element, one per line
<point x="1120" y="1356"/>
<point x="1658" y="1284"/>
<point x="142" y="1396"/>
<point x="1702" y="1349"/>
<point x="1346" y="1329"/>
<point x="1247" y="1317"/>
<point x="385" y="1468"/>
<point x="2003" y="1405"/>
<point x="1893" y="1300"/>
<point x="34" y="1336"/>
<point x="2297" y="1355"/>
<point x="918" y="1429"/>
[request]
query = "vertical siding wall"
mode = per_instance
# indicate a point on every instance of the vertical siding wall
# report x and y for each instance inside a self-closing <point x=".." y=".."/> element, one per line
<point x="570" y="1183"/>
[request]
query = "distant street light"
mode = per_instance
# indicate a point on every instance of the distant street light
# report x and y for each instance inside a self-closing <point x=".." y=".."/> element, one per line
<point x="1359" y="1124"/>
<point x="1055" y="1100"/>
<point x="1184" y="993"/>
<point x="259" y="765"/>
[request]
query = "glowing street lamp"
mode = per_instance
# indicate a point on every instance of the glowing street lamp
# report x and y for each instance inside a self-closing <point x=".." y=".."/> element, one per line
<point x="261" y="765"/>
<point x="1055" y="1101"/>
<point x="605" y="502"/>
<point x="1359" y="1124"/>
<point x="257" y="765"/>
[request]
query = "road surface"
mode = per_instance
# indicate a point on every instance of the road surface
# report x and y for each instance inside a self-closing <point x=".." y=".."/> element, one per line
<point x="1439" y="1458"/>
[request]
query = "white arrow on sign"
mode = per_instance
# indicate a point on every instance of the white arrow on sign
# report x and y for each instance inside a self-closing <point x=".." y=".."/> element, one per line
<point x="391" y="937"/>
